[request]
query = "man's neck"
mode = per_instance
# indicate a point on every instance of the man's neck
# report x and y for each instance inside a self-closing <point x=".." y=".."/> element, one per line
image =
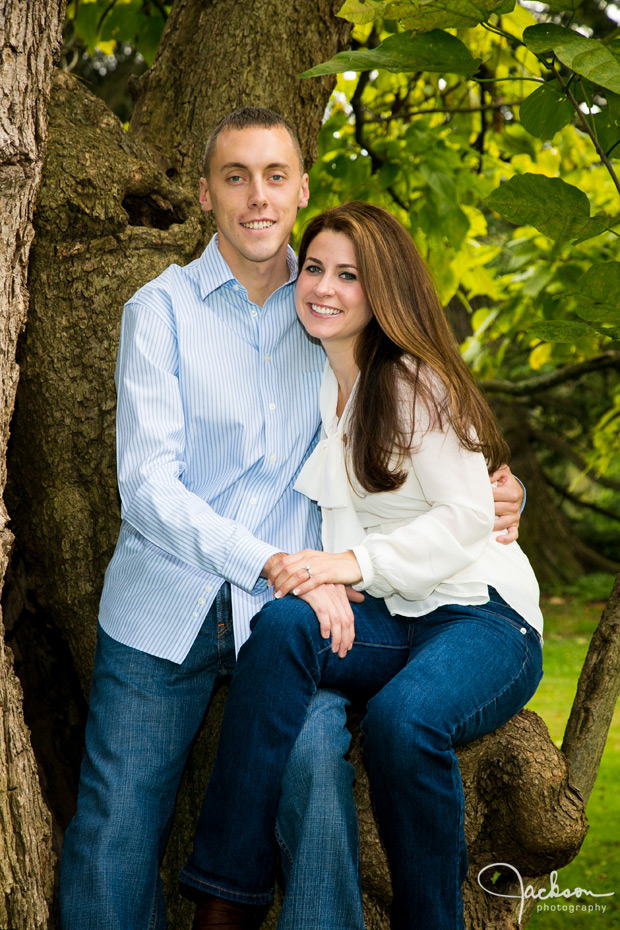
<point x="260" y="279"/>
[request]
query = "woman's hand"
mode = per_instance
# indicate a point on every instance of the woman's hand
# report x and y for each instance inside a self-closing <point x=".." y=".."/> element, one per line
<point x="333" y="611"/>
<point x="508" y="496"/>
<point x="304" y="571"/>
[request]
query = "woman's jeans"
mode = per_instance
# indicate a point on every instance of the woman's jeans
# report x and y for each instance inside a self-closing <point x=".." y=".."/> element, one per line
<point x="433" y="684"/>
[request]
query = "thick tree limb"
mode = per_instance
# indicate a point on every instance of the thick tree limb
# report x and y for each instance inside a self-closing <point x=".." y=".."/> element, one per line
<point x="563" y="375"/>
<point x="595" y="701"/>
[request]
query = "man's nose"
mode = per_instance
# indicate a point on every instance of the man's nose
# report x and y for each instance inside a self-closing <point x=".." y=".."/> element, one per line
<point x="258" y="194"/>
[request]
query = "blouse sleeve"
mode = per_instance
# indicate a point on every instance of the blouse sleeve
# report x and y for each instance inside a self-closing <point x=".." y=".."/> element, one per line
<point x="413" y="559"/>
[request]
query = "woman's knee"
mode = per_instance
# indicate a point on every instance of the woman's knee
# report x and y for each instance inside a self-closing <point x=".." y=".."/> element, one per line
<point x="285" y="619"/>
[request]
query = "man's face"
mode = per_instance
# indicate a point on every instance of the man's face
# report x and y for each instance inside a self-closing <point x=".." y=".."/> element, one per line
<point x="255" y="187"/>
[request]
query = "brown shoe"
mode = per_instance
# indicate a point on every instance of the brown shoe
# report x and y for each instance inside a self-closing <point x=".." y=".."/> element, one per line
<point x="227" y="915"/>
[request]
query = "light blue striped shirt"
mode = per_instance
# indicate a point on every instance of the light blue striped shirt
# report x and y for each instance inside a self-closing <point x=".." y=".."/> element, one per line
<point x="217" y="411"/>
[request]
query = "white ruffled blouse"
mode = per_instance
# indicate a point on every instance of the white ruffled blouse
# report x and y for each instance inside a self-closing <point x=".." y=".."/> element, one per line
<point x="430" y="542"/>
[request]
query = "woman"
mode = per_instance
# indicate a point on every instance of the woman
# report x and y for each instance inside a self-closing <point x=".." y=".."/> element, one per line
<point x="445" y="646"/>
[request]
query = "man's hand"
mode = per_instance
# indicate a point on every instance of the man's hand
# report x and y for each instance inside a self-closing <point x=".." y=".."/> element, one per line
<point x="333" y="611"/>
<point x="272" y="563"/>
<point x="306" y="570"/>
<point x="508" y="496"/>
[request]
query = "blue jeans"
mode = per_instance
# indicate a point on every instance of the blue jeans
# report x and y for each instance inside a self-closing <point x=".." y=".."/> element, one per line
<point x="434" y="684"/>
<point x="143" y="716"/>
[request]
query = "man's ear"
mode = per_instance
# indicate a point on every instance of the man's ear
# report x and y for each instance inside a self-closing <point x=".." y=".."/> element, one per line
<point x="304" y="193"/>
<point x="205" y="198"/>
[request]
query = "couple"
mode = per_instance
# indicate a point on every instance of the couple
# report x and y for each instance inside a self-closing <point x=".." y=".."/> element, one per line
<point x="217" y="413"/>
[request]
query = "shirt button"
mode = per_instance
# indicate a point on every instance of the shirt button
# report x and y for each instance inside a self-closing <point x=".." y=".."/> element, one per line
<point x="272" y="406"/>
<point x="523" y="630"/>
<point x="253" y="501"/>
<point x="194" y="615"/>
<point x="272" y="458"/>
<point x="235" y="287"/>
<point x="201" y="600"/>
<point x="253" y="312"/>
<point x="268" y="358"/>
<point x="208" y="588"/>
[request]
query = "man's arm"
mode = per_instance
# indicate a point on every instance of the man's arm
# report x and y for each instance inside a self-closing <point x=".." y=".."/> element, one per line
<point x="509" y="498"/>
<point x="151" y="453"/>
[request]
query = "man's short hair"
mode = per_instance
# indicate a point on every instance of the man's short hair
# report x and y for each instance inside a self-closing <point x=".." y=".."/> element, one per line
<point x="250" y="118"/>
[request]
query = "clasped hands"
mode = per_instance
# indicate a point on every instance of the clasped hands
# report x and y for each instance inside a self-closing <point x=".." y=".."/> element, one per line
<point x="326" y="588"/>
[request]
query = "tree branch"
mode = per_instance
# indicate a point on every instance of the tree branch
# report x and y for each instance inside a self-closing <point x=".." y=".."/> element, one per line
<point x="565" y="449"/>
<point x="358" y="111"/>
<point x="552" y="379"/>
<point x="569" y="496"/>
<point x="595" y="701"/>
<point x="588" y="129"/>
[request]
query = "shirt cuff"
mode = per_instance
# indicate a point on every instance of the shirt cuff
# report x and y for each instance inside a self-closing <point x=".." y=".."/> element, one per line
<point x="524" y="494"/>
<point x="366" y="568"/>
<point x="246" y="562"/>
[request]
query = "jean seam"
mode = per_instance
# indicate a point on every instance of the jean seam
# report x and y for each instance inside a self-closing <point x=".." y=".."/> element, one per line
<point x="496" y="697"/>
<point x="201" y="883"/>
<point x="283" y="847"/>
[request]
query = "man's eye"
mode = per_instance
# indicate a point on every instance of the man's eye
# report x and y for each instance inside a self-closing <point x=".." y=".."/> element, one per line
<point x="235" y="177"/>
<point x="277" y="177"/>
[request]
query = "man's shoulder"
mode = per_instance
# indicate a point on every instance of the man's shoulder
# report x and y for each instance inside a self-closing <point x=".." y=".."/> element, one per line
<point x="176" y="281"/>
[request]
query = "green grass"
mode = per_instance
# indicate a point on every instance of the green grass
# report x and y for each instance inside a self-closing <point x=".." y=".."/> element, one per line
<point x="569" y="624"/>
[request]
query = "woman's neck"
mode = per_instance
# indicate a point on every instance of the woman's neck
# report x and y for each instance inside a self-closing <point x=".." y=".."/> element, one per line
<point x="342" y="362"/>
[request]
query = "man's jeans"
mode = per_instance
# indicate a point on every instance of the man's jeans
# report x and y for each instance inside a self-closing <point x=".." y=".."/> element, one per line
<point x="143" y="717"/>
<point x="439" y="682"/>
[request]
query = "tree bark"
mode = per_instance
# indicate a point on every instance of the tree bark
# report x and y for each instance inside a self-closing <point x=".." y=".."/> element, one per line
<point x="114" y="209"/>
<point x="596" y="698"/>
<point x="29" y="42"/>
<point x="555" y="555"/>
<point x="250" y="56"/>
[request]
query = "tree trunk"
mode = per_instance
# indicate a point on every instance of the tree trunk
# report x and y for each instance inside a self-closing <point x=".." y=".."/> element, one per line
<point x="248" y="56"/>
<point x="553" y="554"/>
<point x="114" y="209"/>
<point x="29" y="41"/>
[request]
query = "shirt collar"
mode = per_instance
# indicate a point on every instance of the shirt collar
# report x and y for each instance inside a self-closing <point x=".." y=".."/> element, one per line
<point x="213" y="270"/>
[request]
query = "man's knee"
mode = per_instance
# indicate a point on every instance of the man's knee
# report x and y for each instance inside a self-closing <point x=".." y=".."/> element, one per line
<point x="318" y="756"/>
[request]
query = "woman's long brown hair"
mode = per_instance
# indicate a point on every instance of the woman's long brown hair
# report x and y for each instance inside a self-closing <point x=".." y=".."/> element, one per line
<point x="408" y="325"/>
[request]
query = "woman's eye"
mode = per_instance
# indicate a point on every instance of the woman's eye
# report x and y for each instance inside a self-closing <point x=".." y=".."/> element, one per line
<point x="348" y="276"/>
<point x="312" y="269"/>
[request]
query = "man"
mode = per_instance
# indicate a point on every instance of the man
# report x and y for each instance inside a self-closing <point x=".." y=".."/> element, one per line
<point x="217" y="410"/>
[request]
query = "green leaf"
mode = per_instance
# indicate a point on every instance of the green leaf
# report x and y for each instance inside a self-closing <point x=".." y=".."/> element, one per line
<point x="423" y="15"/>
<point x="559" y="331"/>
<point x="557" y="209"/>
<point x="546" y="111"/>
<point x="559" y="6"/>
<point x="388" y="174"/>
<point x="599" y="290"/>
<point x="587" y="57"/>
<point x="434" y="51"/>
<point x="607" y="123"/>
<point x="86" y="25"/>
<point x="596" y="225"/>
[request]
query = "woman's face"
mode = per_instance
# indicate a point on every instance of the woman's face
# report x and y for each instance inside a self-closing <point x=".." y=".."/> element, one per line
<point x="329" y="298"/>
